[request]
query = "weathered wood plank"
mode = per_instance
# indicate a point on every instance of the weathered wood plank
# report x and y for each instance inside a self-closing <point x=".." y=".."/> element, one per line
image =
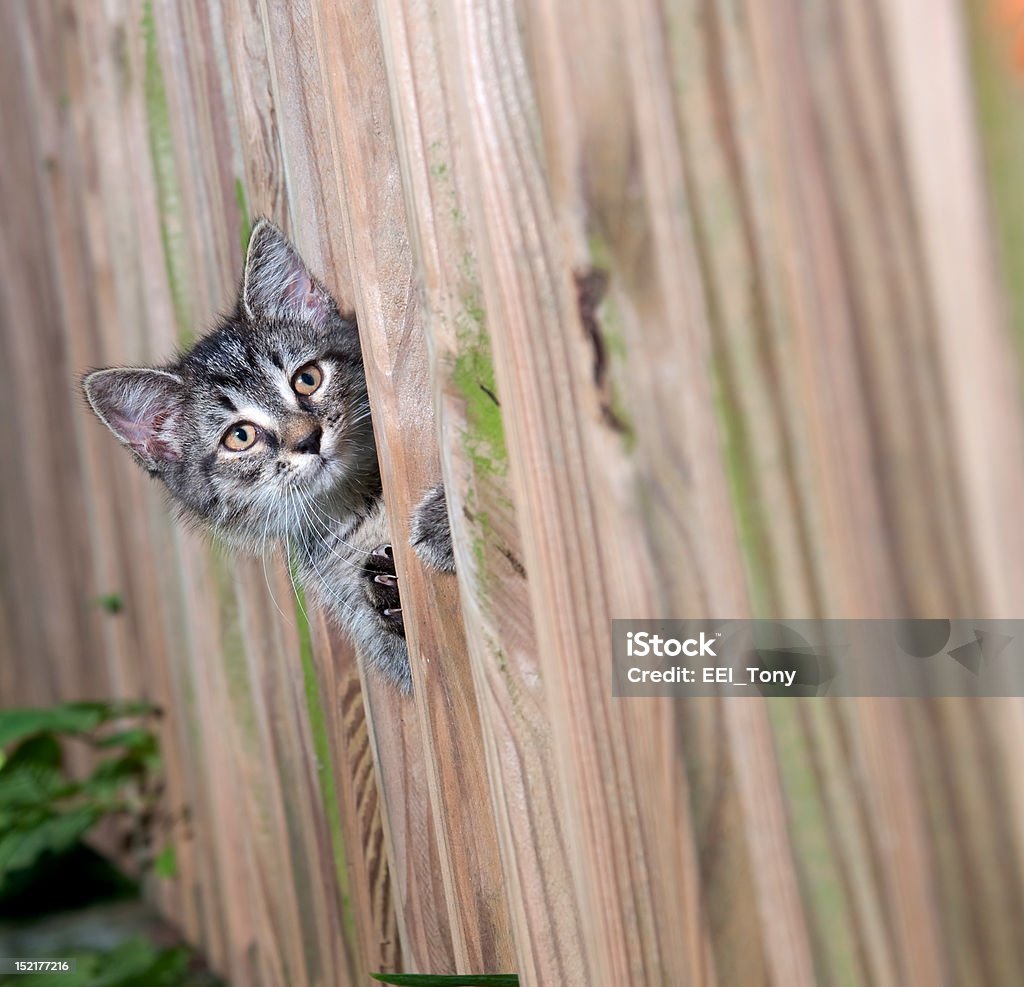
<point x="775" y="352"/>
<point x="302" y="148"/>
<point x="590" y="558"/>
<point x="33" y="344"/>
<point x="370" y="888"/>
<point x="298" y="800"/>
<point x="121" y="56"/>
<point x="524" y="788"/>
<point x="394" y="348"/>
<point x="72" y="181"/>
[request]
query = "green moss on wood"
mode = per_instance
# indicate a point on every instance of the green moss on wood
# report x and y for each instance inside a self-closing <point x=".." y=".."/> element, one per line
<point x="112" y="603"/>
<point x="999" y="97"/>
<point x="483" y="437"/>
<point x="169" y="206"/>
<point x="473" y="377"/>
<point x="836" y="952"/>
<point x="232" y="647"/>
<point x="324" y="760"/>
<point x="600" y="253"/>
<point x="745" y="497"/>
<point x="243" y="212"/>
<point x="610" y="326"/>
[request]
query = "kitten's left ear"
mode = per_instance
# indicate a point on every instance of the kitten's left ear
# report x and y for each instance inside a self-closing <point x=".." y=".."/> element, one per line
<point x="143" y="408"/>
<point x="277" y="284"/>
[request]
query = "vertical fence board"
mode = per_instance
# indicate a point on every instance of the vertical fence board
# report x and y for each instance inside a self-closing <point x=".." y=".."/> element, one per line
<point x="395" y="356"/>
<point x="541" y="293"/>
<point x="524" y="788"/>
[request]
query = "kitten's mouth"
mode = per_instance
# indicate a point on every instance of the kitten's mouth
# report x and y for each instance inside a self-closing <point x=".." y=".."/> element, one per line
<point x="316" y="474"/>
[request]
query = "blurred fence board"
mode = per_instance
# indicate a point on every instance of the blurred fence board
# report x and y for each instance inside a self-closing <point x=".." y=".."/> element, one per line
<point x="697" y="307"/>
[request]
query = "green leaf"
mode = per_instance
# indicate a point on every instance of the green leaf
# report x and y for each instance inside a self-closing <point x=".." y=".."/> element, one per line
<point x="28" y="785"/>
<point x="114" y="709"/>
<point x="83" y="717"/>
<point x="462" y="980"/>
<point x="111" y="602"/>
<point x="42" y="750"/>
<point x="112" y="774"/>
<point x="136" y="963"/>
<point x="166" y="863"/>
<point x="32" y="775"/>
<point x="138" y="740"/>
<point x="22" y="845"/>
<point x="140" y="744"/>
<point x="15" y="724"/>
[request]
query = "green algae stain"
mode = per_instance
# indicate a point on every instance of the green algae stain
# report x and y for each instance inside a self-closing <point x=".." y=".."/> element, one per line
<point x="609" y="325"/>
<point x="837" y="956"/>
<point x="999" y="101"/>
<point x="324" y="760"/>
<point x="473" y="377"/>
<point x="742" y="485"/>
<point x="232" y="647"/>
<point x="168" y="193"/>
<point x="243" y="211"/>
<point x="483" y="439"/>
<point x="483" y="534"/>
<point x="621" y="414"/>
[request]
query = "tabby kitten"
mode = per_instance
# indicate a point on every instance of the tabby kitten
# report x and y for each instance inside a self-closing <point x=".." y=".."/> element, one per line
<point x="262" y="433"/>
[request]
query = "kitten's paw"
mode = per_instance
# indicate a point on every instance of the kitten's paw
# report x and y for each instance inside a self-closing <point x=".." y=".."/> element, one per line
<point x="431" y="534"/>
<point x="382" y="587"/>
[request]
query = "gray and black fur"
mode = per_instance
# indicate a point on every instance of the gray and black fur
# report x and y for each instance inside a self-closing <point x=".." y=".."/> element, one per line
<point x="309" y="476"/>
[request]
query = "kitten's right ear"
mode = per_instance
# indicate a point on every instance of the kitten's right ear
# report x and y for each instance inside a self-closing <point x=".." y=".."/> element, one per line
<point x="142" y="407"/>
<point x="276" y="283"/>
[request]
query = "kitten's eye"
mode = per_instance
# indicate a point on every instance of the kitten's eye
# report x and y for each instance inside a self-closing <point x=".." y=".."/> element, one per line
<point x="240" y="436"/>
<point x="307" y="379"/>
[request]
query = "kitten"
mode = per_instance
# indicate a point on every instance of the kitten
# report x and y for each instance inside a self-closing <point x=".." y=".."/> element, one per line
<point x="262" y="433"/>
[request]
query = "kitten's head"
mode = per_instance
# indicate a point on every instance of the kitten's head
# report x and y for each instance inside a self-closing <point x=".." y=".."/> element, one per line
<point x="265" y="421"/>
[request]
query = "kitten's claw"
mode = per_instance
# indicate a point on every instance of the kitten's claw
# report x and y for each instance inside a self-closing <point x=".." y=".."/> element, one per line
<point x="382" y="587"/>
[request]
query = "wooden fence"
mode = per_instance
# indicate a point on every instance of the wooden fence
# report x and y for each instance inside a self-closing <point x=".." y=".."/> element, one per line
<point x="702" y="306"/>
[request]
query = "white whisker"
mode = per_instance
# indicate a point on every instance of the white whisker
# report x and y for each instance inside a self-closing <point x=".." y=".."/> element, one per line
<point x="291" y="569"/>
<point x="321" y="525"/>
<point x="266" y="575"/>
<point x="325" y="586"/>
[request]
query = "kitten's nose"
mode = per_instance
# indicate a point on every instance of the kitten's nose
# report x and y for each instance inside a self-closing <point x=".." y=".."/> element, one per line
<point x="311" y="443"/>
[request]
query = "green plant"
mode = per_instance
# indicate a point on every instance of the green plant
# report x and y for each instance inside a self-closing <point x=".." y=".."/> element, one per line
<point x="111" y="603"/>
<point x="436" y="980"/>
<point x="135" y="963"/>
<point x="44" y="811"/>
